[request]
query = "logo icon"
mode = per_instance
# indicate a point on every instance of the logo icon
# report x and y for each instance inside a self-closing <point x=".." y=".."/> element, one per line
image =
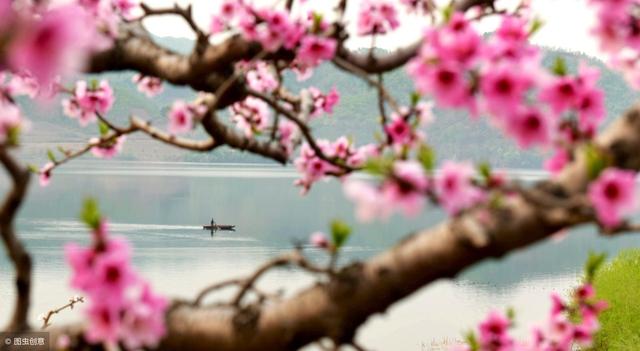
<point x="7" y="341"/>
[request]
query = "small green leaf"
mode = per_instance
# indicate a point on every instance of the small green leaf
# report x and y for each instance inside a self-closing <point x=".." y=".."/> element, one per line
<point x="340" y="232"/>
<point x="427" y="157"/>
<point x="317" y="22"/>
<point x="51" y="156"/>
<point x="472" y="340"/>
<point x="90" y="214"/>
<point x="447" y="12"/>
<point x="13" y="136"/>
<point x="594" y="262"/>
<point x="511" y="314"/>
<point x="33" y="168"/>
<point x="596" y="161"/>
<point x="559" y="67"/>
<point x="93" y="84"/>
<point x="535" y="26"/>
<point x="415" y="98"/>
<point x="103" y="128"/>
<point x="484" y="169"/>
<point x="378" y="165"/>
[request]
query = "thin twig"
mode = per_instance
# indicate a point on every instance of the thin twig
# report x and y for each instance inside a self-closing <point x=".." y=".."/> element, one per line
<point x="304" y="128"/>
<point x="72" y="302"/>
<point x="346" y="65"/>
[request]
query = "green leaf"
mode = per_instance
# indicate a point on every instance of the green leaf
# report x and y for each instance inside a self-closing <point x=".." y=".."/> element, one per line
<point x="597" y="161"/>
<point x="427" y="157"/>
<point x="484" y="169"/>
<point x="535" y="26"/>
<point x="447" y="12"/>
<point x="559" y="67"/>
<point x="340" y="232"/>
<point x="511" y="314"/>
<point x="472" y="340"/>
<point x="13" y="136"/>
<point x="93" y="84"/>
<point x="103" y="128"/>
<point x="51" y="156"/>
<point x="317" y="22"/>
<point x="415" y="98"/>
<point x="90" y="214"/>
<point x="594" y="262"/>
<point x="378" y="165"/>
<point x="33" y="168"/>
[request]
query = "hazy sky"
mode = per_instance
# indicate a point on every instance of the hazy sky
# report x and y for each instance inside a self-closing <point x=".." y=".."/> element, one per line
<point x="567" y="23"/>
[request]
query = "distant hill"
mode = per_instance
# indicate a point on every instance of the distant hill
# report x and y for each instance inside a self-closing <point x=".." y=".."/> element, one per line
<point x="453" y="134"/>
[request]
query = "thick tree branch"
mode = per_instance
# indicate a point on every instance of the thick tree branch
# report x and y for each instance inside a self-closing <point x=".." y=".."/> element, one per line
<point x="336" y="308"/>
<point x="15" y="249"/>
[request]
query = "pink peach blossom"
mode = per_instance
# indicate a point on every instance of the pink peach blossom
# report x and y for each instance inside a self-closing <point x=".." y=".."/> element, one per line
<point x="613" y="195"/>
<point x="315" y="49"/>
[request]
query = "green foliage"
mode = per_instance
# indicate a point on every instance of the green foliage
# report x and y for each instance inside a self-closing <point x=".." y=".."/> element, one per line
<point x="597" y="161"/>
<point x="379" y="165"/>
<point x="472" y="341"/>
<point x="427" y="157"/>
<point x="559" y="67"/>
<point x="51" y="156"/>
<point x="594" y="262"/>
<point x="535" y="26"/>
<point x="103" y="128"/>
<point x="90" y="214"/>
<point x="340" y="232"/>
<point x="618" y="282"/>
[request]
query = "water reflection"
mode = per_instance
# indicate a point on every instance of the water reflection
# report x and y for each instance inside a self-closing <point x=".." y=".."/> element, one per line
<point x="161" y="207"/>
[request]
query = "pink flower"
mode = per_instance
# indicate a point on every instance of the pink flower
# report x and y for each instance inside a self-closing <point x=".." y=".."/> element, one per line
<point x="504" y="88"/>
<point x="359" y="157"/>
<point x="125" y="7"/>
<point x="143" y="320"/>
<point x="454" y="188"/>
<point x="52" y="45"/>
<point x="406" y="190"/>
<point x="261" y="79"/>
<point x="323" y="103"/>
<point x="45" y="174"/>
<point x="377" y="17"/>
<point x="181" y="117"/>
<point x="448" y="85"/>
<point x="556" y="163"/>
<point x="399" y="131"/>
<point x="561" y="93"/>
<point x="251" y="115"/>
<point x="122" y="307"/>
<point x="112" y="275"/>
<point x="288" y="132"/>
<point x="494" y="332"/>
<point x="95" y="99"/>
<point x="319" y="240"/>
<point x="369" y="202"/>
<point x="150" y="86"/>
<point x="315" y="49"/>
<point x="104" y="322"/>
<point x="107" y="150"/>
<point x="10" y="119"/>
<point x="529" y="127"/>
<point x="613" y="195"/>
<point x="87" y="102"/>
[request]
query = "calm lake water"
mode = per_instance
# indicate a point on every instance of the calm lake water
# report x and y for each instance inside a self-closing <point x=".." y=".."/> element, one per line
<point x="160" y="208"/>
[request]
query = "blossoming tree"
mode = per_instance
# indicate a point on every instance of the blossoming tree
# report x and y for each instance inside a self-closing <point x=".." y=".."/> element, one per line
<point x="237" y="64"/>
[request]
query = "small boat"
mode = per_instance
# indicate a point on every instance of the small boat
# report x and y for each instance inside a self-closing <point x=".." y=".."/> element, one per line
<point x="214" y="227"/>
